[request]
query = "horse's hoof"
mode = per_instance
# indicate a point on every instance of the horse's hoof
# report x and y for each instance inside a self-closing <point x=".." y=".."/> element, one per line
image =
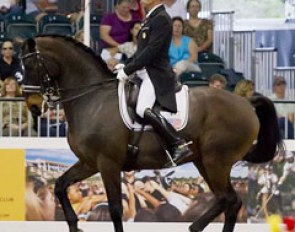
<point x="79" y="230"/>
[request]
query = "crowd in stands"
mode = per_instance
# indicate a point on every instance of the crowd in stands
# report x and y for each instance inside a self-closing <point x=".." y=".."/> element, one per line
<point x="192" y="40"/>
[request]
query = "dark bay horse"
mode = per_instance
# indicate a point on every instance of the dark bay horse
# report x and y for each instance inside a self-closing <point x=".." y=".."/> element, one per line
<point x="224" y="129"/>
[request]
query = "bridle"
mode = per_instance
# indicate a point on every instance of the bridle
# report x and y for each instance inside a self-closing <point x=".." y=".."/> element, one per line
<point x="49" y="88"/>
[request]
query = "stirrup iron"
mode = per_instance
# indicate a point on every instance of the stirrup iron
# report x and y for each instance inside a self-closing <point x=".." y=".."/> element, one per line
<point x="173" y="164"/>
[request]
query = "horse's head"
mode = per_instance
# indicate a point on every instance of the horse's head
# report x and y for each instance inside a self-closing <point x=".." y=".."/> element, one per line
<point x="37" y="82"/>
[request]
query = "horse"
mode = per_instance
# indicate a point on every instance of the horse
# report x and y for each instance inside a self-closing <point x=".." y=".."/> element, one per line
<point x="224" y="128"/>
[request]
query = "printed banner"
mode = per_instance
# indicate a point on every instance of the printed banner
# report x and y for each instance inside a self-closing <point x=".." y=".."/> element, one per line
<point x="12" y="182"/>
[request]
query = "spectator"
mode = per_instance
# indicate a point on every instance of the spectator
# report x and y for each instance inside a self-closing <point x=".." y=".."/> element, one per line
<point x="201" y="30"/>
<point x="245" y="88"/>
<point x="82" y="205"/>
<point x="183" y="51"/>
<point x="269" y="182"/>
<point x="53" y="123"/>
<point x="9" y="64"/>
<point x="175" y="8"/>
<point x="8" y="7"/>
<point x="38" y="8"/>
<point x="285" y="110"/>
<point x="13" y="124"/>
<point x="179" y="201"/>
<point x="39" y="199"/>
<point x="217" y="81"/>
<point x="288" y="165"/>
<point x="113" y="55"/>
<point x="115" y="27"/>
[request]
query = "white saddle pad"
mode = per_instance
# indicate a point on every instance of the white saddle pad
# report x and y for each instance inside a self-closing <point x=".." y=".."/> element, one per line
<point x="178" y="120"/>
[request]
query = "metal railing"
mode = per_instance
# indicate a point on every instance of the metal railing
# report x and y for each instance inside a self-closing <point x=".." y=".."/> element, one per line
<point x="265" y="61"/>
<point x="17" y="121"/>
<point x="243" y="60"/>
<point x="223" y="36"/>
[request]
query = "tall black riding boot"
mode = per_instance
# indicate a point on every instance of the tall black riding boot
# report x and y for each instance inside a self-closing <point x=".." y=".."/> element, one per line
<point x="177" y="147"/>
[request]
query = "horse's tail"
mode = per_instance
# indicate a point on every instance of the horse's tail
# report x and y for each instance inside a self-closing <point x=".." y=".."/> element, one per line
<point x="269" y="141"/>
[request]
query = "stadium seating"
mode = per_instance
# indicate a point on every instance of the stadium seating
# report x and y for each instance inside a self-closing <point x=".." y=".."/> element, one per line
<point x="94" y="28"/>
<point x="56" y="24"/>
<point x="193" y="79"/>
<point x="20" y="27"/>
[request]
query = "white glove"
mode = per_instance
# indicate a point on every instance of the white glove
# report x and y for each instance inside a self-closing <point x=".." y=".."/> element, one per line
<point x="122" y="76"/>
<point x="118" y="67"/>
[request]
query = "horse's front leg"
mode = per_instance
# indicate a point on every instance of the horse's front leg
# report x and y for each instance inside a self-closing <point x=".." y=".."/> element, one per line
<point x="76" y="173"/>
<point x="110" y="173"/>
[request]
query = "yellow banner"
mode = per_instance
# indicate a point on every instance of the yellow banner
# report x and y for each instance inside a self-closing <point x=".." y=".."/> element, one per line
<point x="12" y="185"/>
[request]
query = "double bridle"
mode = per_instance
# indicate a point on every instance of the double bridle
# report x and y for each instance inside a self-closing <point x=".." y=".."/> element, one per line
<point x="49" y="88"/>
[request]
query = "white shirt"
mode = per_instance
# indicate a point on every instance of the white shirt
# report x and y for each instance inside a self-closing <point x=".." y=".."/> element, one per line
<point x="176" y="9"/>
<point x="283" y="109"/>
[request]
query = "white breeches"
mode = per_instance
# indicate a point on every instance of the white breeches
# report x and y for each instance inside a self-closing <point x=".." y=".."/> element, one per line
<point x="147" y="95"/>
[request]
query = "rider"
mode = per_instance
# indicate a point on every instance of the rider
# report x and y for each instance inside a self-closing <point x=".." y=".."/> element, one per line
<point x="151" y="64"/>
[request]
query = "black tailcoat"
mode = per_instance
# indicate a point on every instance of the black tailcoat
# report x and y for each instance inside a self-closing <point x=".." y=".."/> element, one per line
<point x="154" y="39"/>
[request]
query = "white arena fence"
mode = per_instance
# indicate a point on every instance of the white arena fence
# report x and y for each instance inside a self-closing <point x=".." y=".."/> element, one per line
<point x="47" y="127"/>
<point x="14" y="111"/>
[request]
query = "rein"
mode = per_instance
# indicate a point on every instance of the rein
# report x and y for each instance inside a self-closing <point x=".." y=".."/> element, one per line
<point x="48" y="88"/>
<point x="98" y="84"/>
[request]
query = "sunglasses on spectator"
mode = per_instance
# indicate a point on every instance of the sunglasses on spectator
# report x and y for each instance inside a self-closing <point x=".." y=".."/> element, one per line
<point x="8" y="48"/>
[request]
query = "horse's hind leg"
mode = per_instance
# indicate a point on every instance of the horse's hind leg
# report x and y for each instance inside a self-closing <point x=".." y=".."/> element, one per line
<point x="217" y="177"/>
<point x="76" y="173"/>
<point x="233" y="205"/>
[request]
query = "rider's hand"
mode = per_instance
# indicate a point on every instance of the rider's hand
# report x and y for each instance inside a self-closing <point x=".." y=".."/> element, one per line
<point x="118" y="67"/>
<point x="122" y="76"/>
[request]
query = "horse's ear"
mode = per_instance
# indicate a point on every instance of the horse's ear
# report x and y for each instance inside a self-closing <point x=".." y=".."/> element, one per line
<point x="31" y="45"/>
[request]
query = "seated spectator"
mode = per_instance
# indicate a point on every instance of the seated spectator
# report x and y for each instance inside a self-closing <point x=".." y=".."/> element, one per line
<point x="8" y="7"/>
<point x="201" y="30"/>
<point x="175" y="9"/>
<point x="114" y="55"/>
<point x="53" y="123"/>
<point x="9" y="64"/>
<point x="136" y="8"/>
<point x="14" y="113"/>
<point x="115" y="27"/>
<point x="245" y="88"/>
<point x="285" y="111"/>
<point x="183" y="51"/>
<point x="38" y="8"/>
<point x="217" y="81"/>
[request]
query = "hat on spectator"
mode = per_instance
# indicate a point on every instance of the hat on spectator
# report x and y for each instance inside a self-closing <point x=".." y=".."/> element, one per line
<point x="279" y="80"/>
